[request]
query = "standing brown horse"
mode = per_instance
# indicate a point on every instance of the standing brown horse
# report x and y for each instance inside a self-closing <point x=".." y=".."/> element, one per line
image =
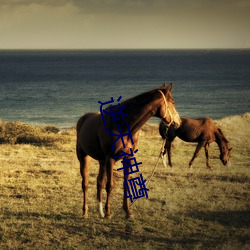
<point x="203" y="131"/>
<point x="93" y="140"/>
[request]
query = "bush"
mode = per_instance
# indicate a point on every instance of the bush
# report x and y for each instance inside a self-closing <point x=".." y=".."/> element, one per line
<point x="52" y="129"/>
<point x="21" y="133"/>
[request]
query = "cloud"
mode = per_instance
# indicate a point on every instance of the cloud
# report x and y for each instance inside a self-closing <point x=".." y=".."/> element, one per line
<point x="141" y="6"/>
<point x="131" y="7"/>
<point x="16" y="3"/>
<point x="40" y="26"/>
<point x="124" y="23"/>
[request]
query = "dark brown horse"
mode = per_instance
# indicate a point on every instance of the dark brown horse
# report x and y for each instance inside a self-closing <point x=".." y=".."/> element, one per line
<point x="93" y="140"/>
<point x="203" y="131"/>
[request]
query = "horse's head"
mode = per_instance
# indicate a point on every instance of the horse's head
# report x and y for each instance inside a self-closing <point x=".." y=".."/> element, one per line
<point x="224" y="148"/>
<point x="167" y="111"/>
<point x="225" y="155"/>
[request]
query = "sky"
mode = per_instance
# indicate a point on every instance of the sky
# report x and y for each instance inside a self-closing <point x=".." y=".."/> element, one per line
<point x="124" y="24"/>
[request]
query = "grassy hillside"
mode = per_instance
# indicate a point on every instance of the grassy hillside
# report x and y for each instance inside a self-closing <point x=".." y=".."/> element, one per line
<point x="41" y="198"/>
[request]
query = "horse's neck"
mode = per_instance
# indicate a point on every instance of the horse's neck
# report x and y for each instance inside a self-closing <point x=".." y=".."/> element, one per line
<point x="140" y="111"/>
<point x="136" y="124"/>
<point x="221" y="141"/>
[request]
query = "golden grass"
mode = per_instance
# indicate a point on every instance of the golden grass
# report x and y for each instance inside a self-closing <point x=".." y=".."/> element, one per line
<point x="41" y="198"/>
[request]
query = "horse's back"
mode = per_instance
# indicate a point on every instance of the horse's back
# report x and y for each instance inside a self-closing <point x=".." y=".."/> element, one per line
<point x="195" y="130"/>
<point x="209" y="125"/>
<point x="205" y="122"/>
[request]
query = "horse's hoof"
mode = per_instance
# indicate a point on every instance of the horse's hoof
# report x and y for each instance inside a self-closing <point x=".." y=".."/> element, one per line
<point x="100" y="210"/>
<point x="108" y="216"/>
<point x="130" y="217"/>
<point x="164" y="160"/>
<point x="85" y="216"/>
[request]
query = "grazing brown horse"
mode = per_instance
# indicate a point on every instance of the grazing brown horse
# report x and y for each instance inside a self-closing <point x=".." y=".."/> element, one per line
<point x="203" y="131"/>
<point x="93" y="140"/>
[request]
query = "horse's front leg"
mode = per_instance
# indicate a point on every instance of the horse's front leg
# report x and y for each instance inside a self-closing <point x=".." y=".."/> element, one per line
<point x="169" y="148"/>
<point x="126" y="185"/>
<point x="109" y="163"/>
<point x="197" y="150"/>
<point x="100" y="185"/>
<point x="207" y="155"/>
<point x="163" y="152"/>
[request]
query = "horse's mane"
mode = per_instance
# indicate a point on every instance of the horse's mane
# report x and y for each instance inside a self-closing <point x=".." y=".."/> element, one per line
<point x="138" y="107"/>
<point x="137" y="101"/>
<point x="134" y="103"/>
<point x="220" y="136"/>
<point x="224" y="138"/>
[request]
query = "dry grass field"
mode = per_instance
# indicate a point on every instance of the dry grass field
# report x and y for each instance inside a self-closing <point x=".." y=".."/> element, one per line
<point x="41" y="197"/>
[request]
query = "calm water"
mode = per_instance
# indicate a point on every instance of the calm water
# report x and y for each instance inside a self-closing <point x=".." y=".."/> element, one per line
<point x="57" y="87"/>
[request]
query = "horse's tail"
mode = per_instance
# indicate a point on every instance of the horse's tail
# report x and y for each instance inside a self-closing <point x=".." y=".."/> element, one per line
<point x="163" y="130"/>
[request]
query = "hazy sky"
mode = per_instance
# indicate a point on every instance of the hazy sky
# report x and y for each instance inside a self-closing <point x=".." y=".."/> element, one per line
<point x="91" y="24"/>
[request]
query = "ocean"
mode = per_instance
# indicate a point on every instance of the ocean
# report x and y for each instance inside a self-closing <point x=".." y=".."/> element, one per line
<point x="57" y="87"/>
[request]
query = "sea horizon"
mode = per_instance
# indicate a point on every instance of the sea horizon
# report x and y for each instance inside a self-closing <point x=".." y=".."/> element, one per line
<point x="59" y="86"/>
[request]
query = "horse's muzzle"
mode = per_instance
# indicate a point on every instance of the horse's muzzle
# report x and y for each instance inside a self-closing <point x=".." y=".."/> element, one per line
<point x="177" y="123"/>
<point x="225" y="163"/>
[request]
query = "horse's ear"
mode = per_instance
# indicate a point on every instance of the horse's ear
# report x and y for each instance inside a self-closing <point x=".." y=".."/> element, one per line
<point x="163" y="86"/>
<point x="169" y="88"/>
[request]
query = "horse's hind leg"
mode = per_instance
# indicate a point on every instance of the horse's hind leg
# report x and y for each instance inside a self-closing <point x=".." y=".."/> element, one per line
<point x="207" y="155"/>
<point x="126" y="207"/>
<point x="127" y="188"/>
<point x="84" y="169"/>
<point x="100" y="185"/>
<point x="163" y="152"/>
<point x="196" y="152"/>
<point x="109" y="162"/>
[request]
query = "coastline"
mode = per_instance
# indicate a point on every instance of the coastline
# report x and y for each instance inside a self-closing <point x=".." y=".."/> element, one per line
<point x="152" y="121"/>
